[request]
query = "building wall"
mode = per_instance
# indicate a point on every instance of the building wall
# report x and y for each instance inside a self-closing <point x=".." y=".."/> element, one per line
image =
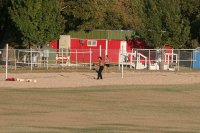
<point x="80" y="51"/>
<point x="54" y="44"/>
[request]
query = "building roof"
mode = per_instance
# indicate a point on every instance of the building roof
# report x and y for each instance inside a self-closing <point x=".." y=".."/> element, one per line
<point x="102" y="34"/>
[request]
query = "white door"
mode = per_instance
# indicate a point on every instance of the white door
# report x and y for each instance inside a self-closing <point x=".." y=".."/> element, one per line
<point x="123" y="46"/>
<point x="123" y="51"/>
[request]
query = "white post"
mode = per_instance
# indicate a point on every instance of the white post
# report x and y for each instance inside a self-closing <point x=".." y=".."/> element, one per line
<point x="18" y="55"/>
<point x="145" y="62"/>
<point x="172" y="56"/>
<point x="47" y="62"/>
<point x="168" y="59"/>
<point x="191" y="60"/>
<point x="15" y="59"/>
<point x="62" y="56"/>
<point x="90" y="59"/>
<point x="31" y="59"/>
<point x="106" y="47"/>
<point x="178" y="60"/>
<point x="100" y="51"/>
<point x="150" y="57"/>
<point x="122" y="63"/>
<point x="6" y="61"/>
<point x="76" y="59"/>
<point x="119" y="59"/>
<point x="138" y="57"/>
<point x="131" y="58"/>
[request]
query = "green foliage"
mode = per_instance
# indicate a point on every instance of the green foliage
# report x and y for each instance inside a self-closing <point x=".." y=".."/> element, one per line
<point x="163" y="23"/>
<point x="39" y="21"/>
<point x="195" y="31"/>
<point x="101" y="14"/>
<point x="176" y="22"/>
<point x="152" y="23"/>
<point x="3" y="17"/>
<point x="122" y="15"/>
<point x="83" y="15"/>
<point x="191" y="10"/>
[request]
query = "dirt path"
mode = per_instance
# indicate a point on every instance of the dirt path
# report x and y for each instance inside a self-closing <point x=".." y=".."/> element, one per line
<point x="77" y="79"/>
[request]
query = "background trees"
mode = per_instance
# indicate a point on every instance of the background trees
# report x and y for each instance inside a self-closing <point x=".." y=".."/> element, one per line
<point x="122" y="14"/>
<point x="3" y="19"/>
<point x="38" y="22"/>
<point x="191" y="10"/>
<point x="164" y="23"/>
<point x="83" y="15"/>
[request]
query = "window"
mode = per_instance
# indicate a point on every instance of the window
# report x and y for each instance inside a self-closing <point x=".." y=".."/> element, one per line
<point x="92" y="43"/>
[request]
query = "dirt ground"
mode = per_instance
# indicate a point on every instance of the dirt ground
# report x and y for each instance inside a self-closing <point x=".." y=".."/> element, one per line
<point x="78" y="79"/>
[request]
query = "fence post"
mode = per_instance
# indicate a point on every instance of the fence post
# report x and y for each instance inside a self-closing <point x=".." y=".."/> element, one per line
<point x="150" y="58"/>
<point x="15" y="59"/>
<point x="6" y="61"/>
<point x="137" y="59"/>
<point x="163" y="59"/>
<point x="62" y="57"/>
<point x="90" y="59"/>
<point x="178" y="60"/>
<point x="191" y="60"/>
<point x="131" y="59"/>
<point x="100" y="51"/>
<point x="31" y="59"/>
<point x="47" y="60"/>
<point x="76" y="59"/>
<point x="106" y="51"/>
<point x="122" y="62"/>
<point x="119" y="59"/>
<point x="172" y="60"/>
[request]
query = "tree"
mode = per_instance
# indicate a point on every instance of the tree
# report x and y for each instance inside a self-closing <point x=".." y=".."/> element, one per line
<point x="3" y="20"/>
<point x="157" y="21"/>
<point x="101" y="14"/>
<point x="122" y="15"/>
<point x="83" y="15"/>
<point x="163" y="23"/>
<point x="39" y="21"/>
<point x="191" y="10"/>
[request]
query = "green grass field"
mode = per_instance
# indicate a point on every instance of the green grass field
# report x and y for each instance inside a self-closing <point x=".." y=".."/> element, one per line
<point x="105" y="109"/>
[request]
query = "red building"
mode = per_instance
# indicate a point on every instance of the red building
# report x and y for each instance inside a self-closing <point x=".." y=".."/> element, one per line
<point x="100" y="43"/>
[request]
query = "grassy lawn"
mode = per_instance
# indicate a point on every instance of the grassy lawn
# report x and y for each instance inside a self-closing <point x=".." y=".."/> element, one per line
<point x="105" y="109"/>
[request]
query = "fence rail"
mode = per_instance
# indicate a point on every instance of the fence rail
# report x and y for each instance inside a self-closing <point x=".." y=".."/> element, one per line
<point x="151" y="59"/>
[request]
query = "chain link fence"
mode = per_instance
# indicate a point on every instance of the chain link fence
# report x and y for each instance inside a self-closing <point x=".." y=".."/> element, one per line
<point x="143" y="59"/>
<point x="166" y="59"/>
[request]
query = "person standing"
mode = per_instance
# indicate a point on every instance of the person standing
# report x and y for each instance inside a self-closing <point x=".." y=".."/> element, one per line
<point x="100" y="69"/>
<point x="107" y="63"/>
